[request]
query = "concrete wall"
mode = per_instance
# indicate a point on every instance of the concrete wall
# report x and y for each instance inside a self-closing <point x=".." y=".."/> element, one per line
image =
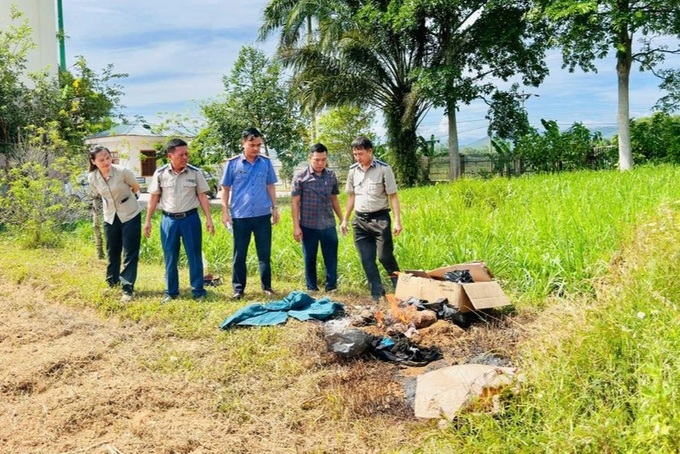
<point x="41" y="16"/>
<point x="128" y="149"/>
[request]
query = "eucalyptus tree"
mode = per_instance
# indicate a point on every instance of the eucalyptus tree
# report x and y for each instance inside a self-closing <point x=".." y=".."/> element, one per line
<point x="475" y="46"/>
<point x="588" y="30"/>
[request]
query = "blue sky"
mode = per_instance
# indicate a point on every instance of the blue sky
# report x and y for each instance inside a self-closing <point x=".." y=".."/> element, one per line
<point x="176" y="53"/>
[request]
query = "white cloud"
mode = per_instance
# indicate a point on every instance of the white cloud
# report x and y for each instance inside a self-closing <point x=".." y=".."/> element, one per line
<point x="176" y="54"/>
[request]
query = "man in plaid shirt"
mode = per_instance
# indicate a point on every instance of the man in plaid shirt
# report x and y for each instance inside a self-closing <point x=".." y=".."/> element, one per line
<point x="314" y="199"/>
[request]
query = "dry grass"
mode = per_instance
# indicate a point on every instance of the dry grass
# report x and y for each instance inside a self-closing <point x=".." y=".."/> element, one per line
<point x="73" y="381"/>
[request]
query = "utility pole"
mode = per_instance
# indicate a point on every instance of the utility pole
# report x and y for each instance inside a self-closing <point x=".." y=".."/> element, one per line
<point x="60" y="34"/>
<point x="523" y="96"/>
<point x="430" y="145"/>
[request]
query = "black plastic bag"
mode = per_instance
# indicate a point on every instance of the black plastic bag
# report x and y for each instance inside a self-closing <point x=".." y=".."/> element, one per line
<point x="402" y="351"/>
<point x="459" y="276"/>
<point x="348" y="342"/>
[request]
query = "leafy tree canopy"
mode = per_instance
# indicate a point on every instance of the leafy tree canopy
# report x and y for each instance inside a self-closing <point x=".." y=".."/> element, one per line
<point x="339" y="126"/>
<point x="256" y="95"/>
<point x="42" y="117"/>
<point x="588" y="30"/>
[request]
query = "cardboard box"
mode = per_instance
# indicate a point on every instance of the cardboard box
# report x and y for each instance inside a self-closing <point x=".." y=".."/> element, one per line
<point x="484" y="293"/>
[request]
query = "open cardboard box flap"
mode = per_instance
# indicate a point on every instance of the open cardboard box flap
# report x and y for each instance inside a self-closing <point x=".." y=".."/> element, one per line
<point x="484" y="293"/>
<point x="478" y="271"/>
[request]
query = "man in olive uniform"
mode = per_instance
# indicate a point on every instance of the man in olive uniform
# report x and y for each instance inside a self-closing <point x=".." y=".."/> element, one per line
<point x="371" y="189"/>
<point x="179" y="188"/>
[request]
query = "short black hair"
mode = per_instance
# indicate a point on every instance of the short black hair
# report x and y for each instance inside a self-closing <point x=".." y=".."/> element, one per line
<point x="318" y="148"/>
<point x="362" y="143"/>
<point x="251" y="133"/>
<point x="174" y="143"/>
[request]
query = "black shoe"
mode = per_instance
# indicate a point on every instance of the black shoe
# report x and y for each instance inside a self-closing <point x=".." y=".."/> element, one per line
<point x="269" y="292"/>
<point x="237" y="295"/>
<point x="200" y="298"/>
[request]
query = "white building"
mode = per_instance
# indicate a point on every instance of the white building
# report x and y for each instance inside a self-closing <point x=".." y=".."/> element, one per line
<point x="41" y="17"/>
<point x="133" y="146"/>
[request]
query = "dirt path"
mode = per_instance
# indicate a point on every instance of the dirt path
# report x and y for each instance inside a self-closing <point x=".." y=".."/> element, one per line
<point x="71" y="383"/>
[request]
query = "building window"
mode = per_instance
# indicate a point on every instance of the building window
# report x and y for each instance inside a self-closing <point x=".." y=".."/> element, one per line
<point x="148" y="158"/>
<point x="115" y="157"/>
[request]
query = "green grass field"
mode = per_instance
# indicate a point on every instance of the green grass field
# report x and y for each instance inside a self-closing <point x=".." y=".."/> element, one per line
<point x="594" y="254"/>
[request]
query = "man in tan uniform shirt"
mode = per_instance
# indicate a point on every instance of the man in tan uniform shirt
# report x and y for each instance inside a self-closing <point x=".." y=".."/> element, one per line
<point x="179" y="188"/>
<point x="371" y="189"/>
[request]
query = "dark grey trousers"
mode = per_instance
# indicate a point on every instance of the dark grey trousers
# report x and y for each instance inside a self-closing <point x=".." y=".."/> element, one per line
<point x="373" y="239"/>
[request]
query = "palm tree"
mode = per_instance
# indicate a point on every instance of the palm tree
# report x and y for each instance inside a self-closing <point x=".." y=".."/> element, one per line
<point x="354" y="58"/>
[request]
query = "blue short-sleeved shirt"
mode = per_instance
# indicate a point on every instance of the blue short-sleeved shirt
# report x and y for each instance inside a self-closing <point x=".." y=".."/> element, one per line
<point x="248" y="183"/>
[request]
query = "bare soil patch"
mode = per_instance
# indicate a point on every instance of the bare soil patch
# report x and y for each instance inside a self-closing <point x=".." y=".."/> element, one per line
<point x="72" y="381"/>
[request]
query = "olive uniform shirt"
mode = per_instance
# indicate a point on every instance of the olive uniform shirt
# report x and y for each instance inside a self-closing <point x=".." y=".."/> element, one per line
<point x="371" y="187"/>
<point x="178" y="191"/>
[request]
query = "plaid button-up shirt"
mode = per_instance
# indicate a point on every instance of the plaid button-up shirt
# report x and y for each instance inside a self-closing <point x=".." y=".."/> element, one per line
<point x="315" y="191"/>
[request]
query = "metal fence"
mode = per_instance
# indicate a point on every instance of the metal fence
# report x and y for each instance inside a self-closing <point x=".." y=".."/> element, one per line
<point x="497" y="165"/>
<point x="472" y="165"/>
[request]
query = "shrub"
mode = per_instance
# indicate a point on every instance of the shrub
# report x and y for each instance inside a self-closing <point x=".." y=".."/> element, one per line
<point x="35" y="207"/>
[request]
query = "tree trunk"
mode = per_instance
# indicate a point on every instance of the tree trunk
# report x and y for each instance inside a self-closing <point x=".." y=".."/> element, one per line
<point x="623" y="65"/>
<point x="97" y="226"/>
<point x="403" y="143"/>
<point x="454" y="151"/>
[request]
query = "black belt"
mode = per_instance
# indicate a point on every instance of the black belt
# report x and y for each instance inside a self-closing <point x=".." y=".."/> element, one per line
<point x="180" y="215"/>
<point x="372" y="215"/>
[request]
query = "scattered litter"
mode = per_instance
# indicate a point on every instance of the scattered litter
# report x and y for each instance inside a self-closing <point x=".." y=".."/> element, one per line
<point x="444" y="392"/>
<point x="440" y="306"/>
<point x="345" y="341"/>
<point x="404" y="352"/>
<point x="483" y="293"/>
<point x="210" y="280"/>
<point x="365" y="318"/>
<point x="443" y="311"/>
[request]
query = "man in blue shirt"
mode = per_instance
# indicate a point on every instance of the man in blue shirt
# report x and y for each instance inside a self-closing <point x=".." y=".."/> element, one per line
<point x="249" y="178"/>
<point x="314" y="199"/>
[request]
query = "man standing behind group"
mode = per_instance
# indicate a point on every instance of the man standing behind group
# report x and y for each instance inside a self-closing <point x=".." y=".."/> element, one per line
<point x="370" y="184"/>
<point x="249" y="178"/>
<point x="179" y="188"/>
<point x="314" y="199"/>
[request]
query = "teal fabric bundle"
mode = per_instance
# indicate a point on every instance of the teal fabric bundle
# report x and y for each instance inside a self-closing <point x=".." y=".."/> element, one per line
<point x="297" y="304"/>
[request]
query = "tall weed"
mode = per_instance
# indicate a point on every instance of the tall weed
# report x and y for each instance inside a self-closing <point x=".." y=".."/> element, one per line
<point x="541" y="235"/>
<point x="606" y="379"/>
